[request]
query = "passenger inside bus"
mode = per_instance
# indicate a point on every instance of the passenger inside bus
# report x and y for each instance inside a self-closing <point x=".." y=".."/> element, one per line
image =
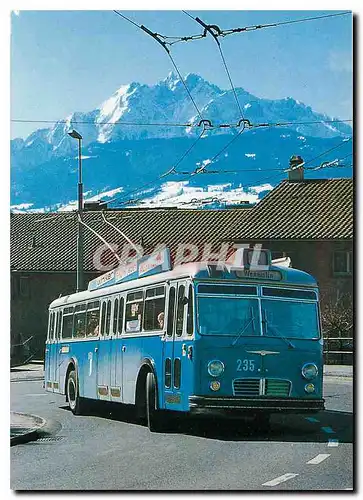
<point x="161" y="320"/>
<point x="92" y="324"/>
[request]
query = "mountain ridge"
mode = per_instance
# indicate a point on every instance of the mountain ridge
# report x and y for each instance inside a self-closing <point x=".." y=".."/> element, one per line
<point x="37" y="160"/>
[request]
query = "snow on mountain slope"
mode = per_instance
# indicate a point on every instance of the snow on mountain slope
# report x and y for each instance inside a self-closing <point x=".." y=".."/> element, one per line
<point x="123" y="150"/>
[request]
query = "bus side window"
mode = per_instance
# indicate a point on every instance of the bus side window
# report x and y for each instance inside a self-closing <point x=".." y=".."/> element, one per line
<point x="108" y="318"/>
<point x="93" y="319"/>
<point x="50" y="327"/>
<point x="154" y="309"/>
<point x="190" y="311"/>
<point x="80" y="321"/>
<point x="120" y="314"/>
<point x="134" y="312"/>
<point x="180" y="311"/>
<point x="67" y="329"/>
<point x="59" y="326"/>
<point x="103" y="318"/>
<point x="171" y="305"/>
<point x="115" y="316"/>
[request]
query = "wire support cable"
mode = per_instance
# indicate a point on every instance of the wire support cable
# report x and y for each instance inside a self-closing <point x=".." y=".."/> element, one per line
<point x="135" y="124"/>
<point x="162" y="176"/>
<point x="159" y="38"/>
<point x="303" y="164"/>
<point x="214" y="30"/>
<point x="224" y="33"/>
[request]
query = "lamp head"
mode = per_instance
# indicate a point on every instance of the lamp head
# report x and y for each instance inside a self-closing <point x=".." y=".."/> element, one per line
<point x="75" y="134"/>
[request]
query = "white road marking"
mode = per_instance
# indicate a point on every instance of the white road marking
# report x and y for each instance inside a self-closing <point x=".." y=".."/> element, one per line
<point x="312" y="419"/>
<point x="280" y="479"/>
<point x="319" y="458"/>
<point x="332" y="443"/>
<point x="328" y="430"/>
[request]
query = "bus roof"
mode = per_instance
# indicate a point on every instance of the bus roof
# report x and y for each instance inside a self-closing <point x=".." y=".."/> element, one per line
<point x="199" y="271"/>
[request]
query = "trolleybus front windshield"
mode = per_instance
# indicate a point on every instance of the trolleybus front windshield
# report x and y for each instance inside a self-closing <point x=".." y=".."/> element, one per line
<point x="226" y="310"/>
<point x="292" y="319"/>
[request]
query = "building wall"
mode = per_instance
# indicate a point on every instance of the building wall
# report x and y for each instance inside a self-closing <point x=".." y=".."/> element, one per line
<point x="31" y="294"/>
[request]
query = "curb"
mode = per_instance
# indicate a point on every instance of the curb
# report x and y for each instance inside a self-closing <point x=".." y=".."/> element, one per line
<point x="28" y="379"/>
<point x="33" y="432"/>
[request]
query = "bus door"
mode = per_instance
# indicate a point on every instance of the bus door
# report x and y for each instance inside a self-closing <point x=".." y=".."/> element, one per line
<point x="90" y="355"/>
<point x="49" y="354"/>
<point x="116" y="350"/>
<point x="177" y="349"/>
<point x="104" y="352"/>
<point x="57" y="355"/>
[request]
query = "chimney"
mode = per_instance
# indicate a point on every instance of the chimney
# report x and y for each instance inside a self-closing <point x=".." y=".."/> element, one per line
<point x="296" y="172"/>
<point x="94" y="205"/>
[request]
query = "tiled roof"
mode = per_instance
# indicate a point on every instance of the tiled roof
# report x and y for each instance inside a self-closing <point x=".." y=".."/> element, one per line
<point x="311" y="209"/>
<point x="49" y="241"/>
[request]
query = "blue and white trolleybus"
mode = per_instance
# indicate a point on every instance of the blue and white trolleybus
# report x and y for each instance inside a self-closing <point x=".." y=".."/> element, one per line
<point x="198" y="339"/>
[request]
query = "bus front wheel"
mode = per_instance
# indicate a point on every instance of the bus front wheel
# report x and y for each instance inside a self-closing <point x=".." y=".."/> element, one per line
<point x="154" y="416"/>
<point x="76" y="404"/>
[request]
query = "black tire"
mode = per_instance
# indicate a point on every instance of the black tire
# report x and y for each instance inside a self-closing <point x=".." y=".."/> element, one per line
<point x="262" y="422"/>
<point x="76" y="404"/>
<point x="154" y="416"/>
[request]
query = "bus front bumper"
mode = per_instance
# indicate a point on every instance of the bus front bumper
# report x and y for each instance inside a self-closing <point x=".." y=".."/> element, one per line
<point x="212" y="405"/>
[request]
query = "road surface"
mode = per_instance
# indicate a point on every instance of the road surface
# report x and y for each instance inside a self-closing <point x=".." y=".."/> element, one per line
<point x="109" y="450"/>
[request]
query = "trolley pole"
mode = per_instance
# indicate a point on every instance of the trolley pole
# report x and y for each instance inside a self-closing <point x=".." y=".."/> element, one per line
<point x="79" y="285"/>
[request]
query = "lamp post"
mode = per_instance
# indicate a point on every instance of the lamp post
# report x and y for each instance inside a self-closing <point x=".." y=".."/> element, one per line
<point x="75" y="135"/>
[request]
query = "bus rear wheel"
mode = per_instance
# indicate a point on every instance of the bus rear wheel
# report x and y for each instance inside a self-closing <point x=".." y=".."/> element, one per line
<point x="76" y="404"/>
<point x="153" y="415"/>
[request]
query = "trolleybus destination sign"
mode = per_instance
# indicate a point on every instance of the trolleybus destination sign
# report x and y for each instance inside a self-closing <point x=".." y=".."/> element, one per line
<point x="145" y="266"/>
<point x="259" y="274"/>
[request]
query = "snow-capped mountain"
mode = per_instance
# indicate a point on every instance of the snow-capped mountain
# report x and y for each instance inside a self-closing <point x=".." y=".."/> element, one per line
<point x="124" y="149"/>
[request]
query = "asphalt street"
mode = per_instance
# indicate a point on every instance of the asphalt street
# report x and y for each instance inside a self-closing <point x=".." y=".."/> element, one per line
<point x="108" y="450"/>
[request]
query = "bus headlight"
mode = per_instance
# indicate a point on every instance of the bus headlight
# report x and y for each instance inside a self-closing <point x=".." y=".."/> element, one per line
<point x="309" y="371"/>
<point x="215" y="368"/>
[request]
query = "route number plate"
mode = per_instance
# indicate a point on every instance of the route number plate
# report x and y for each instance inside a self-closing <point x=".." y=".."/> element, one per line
<point x="245" y="365"/>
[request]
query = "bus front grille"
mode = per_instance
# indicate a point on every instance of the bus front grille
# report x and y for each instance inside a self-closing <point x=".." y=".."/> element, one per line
<point x="261" y="387"/>
<point x="246" y="387"/>
<point x="275" y="387"/>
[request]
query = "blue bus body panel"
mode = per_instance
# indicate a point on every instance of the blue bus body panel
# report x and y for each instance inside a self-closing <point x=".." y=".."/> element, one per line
<point x="255" y="366"/>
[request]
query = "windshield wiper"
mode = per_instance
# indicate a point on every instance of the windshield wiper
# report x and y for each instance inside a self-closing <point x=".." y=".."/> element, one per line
<point x="277" y="334"/>
<point x="244" y="329"/>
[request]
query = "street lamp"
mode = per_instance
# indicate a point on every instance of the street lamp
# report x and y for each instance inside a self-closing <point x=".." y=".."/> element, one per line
<point x="75" y="135"/>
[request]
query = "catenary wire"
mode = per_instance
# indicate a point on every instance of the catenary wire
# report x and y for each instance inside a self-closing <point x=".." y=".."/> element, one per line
<point x="255" y="27"/>
<point x="165" y="174"/>
<point x="211" y="30"/>
<point x="184" y="125"/>
<point x="156" y="37"/>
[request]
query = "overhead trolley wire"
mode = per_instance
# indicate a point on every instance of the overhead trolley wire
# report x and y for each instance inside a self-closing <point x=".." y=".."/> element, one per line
<point x="165" y="174"/>
<point x="159" y="39"/>
<point x="344" y="141"/>
<point x="183" y="125"/>
<point x="223" y="33"/>
<point x="213" y="30"/>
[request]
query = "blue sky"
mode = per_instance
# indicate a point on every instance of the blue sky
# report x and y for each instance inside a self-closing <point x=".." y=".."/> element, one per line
<point x="65" y="61"/>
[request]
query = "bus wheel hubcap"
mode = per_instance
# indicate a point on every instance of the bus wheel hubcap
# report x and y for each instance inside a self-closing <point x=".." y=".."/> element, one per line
<point x="71" y="393"/>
